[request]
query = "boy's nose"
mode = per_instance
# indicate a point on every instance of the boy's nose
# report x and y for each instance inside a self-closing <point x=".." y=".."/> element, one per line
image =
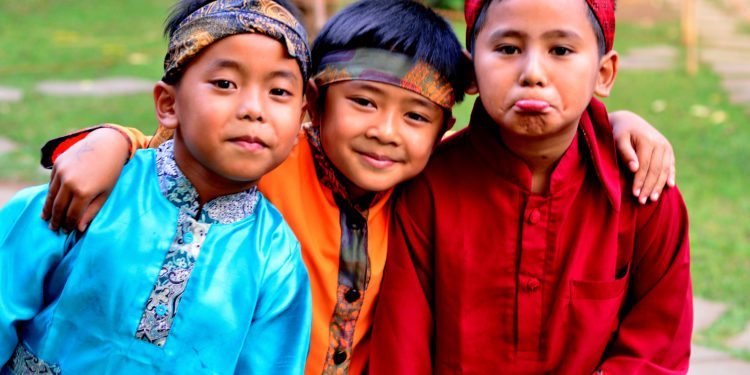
<point x="386" y="129"/>
<point x="251" y="107"/>
<point x="532" y="71"/>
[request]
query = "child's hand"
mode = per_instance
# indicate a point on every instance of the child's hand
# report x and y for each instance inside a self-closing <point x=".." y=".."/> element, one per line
<point x="647" y="152"/>
<point x="82" y="179"/>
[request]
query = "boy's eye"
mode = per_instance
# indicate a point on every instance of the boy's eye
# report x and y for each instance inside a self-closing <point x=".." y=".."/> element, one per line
<point x="508" y="50"/>
<point x="280" y="92"/>
<point x="560" y="51"/>
<point x="224" y="84"/>
<point x="362" y="102"/>
<point x="417" y="117"/>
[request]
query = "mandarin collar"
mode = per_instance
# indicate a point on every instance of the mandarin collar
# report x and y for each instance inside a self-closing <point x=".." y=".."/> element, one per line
<point x="180" y="192"/>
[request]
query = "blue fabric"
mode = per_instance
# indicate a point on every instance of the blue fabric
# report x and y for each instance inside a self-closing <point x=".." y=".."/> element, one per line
<point x="76" y="300"/>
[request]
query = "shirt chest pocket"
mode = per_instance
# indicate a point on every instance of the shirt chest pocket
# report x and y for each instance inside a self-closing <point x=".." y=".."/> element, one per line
<point x="594" y="310"/>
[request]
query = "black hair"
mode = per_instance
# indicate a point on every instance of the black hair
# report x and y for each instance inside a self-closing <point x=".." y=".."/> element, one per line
<point x="403" y="26"/>
<point x="183" y="8"/>
<point x="601" y="43"/>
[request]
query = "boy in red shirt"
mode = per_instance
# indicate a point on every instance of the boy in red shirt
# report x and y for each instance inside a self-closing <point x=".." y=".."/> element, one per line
<point x="519" y="249"/>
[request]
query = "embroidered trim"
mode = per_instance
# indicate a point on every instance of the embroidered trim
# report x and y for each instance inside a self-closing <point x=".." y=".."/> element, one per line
<point x="354" y="277"/>
<point x="162" y="304"/>
<point x="178" y="190"/>
<point x="24" y="362"/>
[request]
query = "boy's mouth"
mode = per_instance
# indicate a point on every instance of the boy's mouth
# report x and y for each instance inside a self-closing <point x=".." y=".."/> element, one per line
<point x="531" y="106"/>
<point x="249" y="143"/>
<point x="376" y="160"/>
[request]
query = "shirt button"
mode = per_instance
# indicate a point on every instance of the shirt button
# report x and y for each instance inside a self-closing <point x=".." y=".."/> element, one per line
<point x="188" y="238"/>
<point x="352" y="295"/>
<point x="532" y="285"/>
<point x="534" y="216"/>
<point x="339" y="357"/>
<point x="354" y="224"/>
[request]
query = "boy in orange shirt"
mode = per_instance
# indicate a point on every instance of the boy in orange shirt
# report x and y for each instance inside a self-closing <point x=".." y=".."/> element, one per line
<point x="380" y="100"/>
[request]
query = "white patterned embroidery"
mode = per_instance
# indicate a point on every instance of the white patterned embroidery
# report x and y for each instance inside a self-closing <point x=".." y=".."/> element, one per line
<point x="161" y="306"/>
<point x="178" y="189"/>
<point x="24" y="362"/>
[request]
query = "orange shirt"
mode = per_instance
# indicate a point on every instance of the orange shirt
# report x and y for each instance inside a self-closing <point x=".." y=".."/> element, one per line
<point x="313" y="215"/>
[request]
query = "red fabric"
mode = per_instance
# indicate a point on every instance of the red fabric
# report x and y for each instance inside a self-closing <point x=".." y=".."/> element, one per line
<point x="67" y="143"/>
<point x="484" y="277"/>
<point x="603" y="9"/>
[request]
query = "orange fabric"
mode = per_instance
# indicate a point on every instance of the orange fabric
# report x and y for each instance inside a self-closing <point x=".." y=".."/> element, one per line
<point x="311" y="212"/>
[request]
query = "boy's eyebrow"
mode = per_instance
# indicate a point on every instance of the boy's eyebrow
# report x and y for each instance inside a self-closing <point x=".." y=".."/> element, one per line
<point x="561" y="34"/>
<point x="286" y="74"/>
<point x="551" y="34"/>
<point x="225" y="64"/>
<point x="421" y="101"/>
<point x="365" y="85"/>
<point x="507" y="33"/>
<point x="232" y="64"/>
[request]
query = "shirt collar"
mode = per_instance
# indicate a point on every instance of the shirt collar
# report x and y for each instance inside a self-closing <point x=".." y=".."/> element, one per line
<point x="180" y="192"/>
<point x="593" y="142"/>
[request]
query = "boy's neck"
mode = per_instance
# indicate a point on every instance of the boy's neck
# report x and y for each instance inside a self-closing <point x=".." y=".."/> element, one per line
<point x="540" y="154"/>
<point x="208" y="184"/>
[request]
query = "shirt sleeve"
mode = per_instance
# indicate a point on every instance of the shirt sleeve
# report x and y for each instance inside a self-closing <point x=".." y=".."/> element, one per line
<point x="279" y="336"/>
<point x="28" y="251"/>
<point x="403" y="327"/>
<point x="56" y="146"/>
<point x="656" y="325"/>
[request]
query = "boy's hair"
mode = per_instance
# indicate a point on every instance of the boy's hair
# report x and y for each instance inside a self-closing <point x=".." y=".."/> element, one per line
<point x="403" y="26"/>
<point x="184" y="8"/>
<point x="598" y="31"/>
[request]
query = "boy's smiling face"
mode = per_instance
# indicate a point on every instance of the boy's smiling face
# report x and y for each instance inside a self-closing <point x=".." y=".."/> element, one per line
<point x="377" y="135"/>
<point x="537" y="66"/>
<point x="237" y="109"/>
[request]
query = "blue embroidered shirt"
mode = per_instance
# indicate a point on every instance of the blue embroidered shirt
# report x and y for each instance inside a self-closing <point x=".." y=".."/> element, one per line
<point x="156" y="284"/>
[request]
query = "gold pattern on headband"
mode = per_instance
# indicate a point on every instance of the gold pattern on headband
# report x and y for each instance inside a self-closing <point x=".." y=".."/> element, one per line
<point x="378" y="65"/>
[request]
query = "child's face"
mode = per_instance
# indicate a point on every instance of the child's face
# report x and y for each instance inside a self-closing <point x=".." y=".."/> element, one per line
<point x="239" y="107"/>
<point x="537" y="65"/>
<point x="376" y="134"/>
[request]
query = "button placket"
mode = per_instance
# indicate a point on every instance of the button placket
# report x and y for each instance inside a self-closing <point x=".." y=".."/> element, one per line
<point x="531" y="272"/>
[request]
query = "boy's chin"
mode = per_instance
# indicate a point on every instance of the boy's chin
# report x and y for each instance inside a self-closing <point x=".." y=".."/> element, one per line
<point x="362" y="186"/>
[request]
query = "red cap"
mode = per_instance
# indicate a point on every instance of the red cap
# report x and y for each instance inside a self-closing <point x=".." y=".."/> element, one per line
<point x="603" y="9"/>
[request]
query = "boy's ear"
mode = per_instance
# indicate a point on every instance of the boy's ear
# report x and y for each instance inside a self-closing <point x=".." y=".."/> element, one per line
<point x="471" y="87"/>
<point x="607" y="74"/>
<point x="165" y="103"/>
<point x="311" y="95"/>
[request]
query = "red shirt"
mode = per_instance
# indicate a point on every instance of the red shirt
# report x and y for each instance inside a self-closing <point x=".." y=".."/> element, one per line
<point x="485" y="277"/>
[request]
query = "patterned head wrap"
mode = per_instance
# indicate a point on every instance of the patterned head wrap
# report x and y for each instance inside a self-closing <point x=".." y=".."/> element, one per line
<point x="604" y="10"/>
<point x="379" y="65"/>
<point x="222" y="18"/>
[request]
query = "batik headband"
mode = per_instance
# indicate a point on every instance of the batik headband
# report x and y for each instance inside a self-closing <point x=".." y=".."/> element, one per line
<point x="604" y="10"/>
<point x="379" y="65"/>
<point x="222" y="18"/>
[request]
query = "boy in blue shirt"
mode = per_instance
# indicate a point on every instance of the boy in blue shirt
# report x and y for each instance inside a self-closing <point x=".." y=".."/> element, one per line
<point x="188" y="268"/>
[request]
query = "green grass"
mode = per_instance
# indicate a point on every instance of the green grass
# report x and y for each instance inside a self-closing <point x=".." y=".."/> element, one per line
<point x="73" y="40"/>
<point x="710" y="137"/>
<point x="90" y="39"/>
